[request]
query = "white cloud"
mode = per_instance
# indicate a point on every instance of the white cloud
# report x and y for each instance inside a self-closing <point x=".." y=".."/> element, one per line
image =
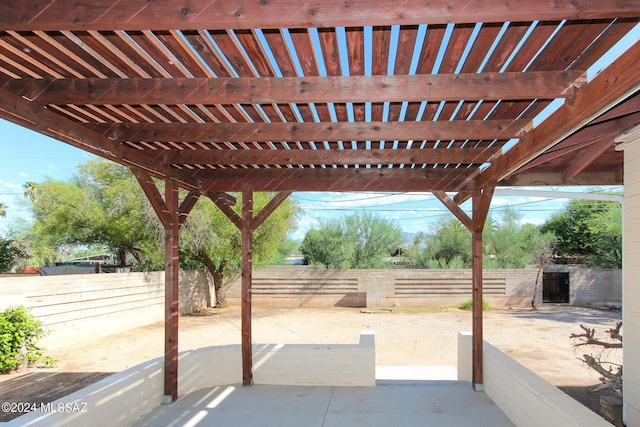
<point x="24" y="174"/>
<point x="500" y="201"/>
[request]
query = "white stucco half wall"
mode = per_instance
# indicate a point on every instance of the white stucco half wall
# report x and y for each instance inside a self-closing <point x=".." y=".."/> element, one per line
<point x="630" y="143"/>
<point x="123" y="398"/>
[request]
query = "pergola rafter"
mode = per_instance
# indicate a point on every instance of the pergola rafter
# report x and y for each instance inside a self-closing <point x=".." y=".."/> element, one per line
<point x="290" y="13"/>
<point x="447" y="87"/>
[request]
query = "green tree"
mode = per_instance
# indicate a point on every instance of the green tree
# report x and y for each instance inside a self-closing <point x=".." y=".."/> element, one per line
<point x="10" y="254"/>
<point x="101" y="205"/>
<point x="589" y="231"/>
<point x="448" y="245"/>
<point x="510" y="244"/>
<point x="210" y="238"/>
<point x="30" y="190"/>
<point x="360" y="240"/>
<point x="327" y="247"/>
<point x="507" y="243"/>
<point x="3" y="210"/>
<point x="606" y="230"/>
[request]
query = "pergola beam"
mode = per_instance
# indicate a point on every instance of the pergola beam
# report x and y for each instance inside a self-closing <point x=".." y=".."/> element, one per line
<point x="594" y="133"/>
<point x="331" y="157"/>
<point x="225" y="208"/>
<point x="268" y="209"/>
<point x="618" y="81"/>
<point x="267" y="90"/>
<point x="582" y="162"/>
<point x="333" y="179"/>
<point x="481" y="202"/>
<point x="454" y="209"/>
<point x="197" y="14"/>
<point x="17" y="110"/>
<point x="334" y="131"/>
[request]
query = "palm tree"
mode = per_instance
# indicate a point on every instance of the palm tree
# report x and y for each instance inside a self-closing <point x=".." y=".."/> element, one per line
<point x="3" y="210"/>
<point x="30" y="190"/>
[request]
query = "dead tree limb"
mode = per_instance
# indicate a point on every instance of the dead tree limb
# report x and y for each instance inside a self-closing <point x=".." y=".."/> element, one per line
<point x="610" y="379"/>
<point x="610" y="373"/>
<point x="614" y="333"/>
<point x="589" y="338"/>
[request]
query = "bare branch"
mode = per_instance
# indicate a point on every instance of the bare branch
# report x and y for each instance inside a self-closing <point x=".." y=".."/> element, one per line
<point x="610" y="379"/>
<point x="615" y="332"/>
<point x="589" y="338"/>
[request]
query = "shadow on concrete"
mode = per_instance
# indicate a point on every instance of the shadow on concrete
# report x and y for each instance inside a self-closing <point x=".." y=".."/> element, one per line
<point x="43" y="387"/>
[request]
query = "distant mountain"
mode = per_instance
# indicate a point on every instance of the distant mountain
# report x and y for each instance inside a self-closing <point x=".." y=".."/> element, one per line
<point x="408" y="237"/>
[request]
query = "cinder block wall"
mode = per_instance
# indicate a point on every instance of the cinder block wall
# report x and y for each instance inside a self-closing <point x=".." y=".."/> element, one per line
<point x="75" y="308"/>
<point x="303" y="286"/>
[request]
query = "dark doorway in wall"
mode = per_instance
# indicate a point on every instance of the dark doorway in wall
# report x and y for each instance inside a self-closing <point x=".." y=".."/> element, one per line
<point x="555" y="287"/>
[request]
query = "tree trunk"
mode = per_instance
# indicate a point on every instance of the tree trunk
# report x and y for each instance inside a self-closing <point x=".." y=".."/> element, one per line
<point x="121" y="253"/>
<point x="535" y="288"/>
<point x="218" y="275"/>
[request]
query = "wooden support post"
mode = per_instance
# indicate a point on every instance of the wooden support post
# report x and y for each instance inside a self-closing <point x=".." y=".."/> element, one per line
<point x="477" y="339"/>
<point x="480" y="206"/>
<point x="247" y="260"/>
<point x="172" y="215"/>
<point x="171" y="232"/>
<point x="475" y="224"/>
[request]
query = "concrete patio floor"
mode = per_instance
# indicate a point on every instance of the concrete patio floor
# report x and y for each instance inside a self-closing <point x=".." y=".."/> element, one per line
<point x="437" y="401"/>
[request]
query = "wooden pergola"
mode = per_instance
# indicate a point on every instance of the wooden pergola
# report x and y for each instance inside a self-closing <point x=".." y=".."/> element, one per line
<point x="357" y="95"/>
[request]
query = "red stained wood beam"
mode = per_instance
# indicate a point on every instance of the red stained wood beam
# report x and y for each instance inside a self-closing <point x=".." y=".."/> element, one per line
<point x="618" y="81"/>
<point x="268" y="209"/>
<point x="454" y="209"/>
<point x="187" y="204"/>
<point x="153" y="195"/>
<point x="224" y="207"/>
<point x="552" y="178"/>
<point x="198" y="14"/>
<point x="247" y="264"/>
<point x="228" y="198"/>
<point x="580" y="163"/>
<point x="481" y="202"/>
<point x="341" y="131"/>
<point x="477" y="357"/>
<point x="597" y="131"/>
<point x="171" y="283"/>
<point x="32" y="116"/>
<point x="331" y="157"/>
<point x="265" y="90"/>
<point x="335" y="179"/>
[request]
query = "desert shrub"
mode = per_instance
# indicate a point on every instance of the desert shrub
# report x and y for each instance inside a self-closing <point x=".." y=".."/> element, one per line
<point x="468" y="305"/>
<point x="20" y="332"/>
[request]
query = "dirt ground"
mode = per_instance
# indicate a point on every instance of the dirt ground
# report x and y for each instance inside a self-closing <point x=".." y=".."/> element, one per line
<point x="537" y="339"/>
